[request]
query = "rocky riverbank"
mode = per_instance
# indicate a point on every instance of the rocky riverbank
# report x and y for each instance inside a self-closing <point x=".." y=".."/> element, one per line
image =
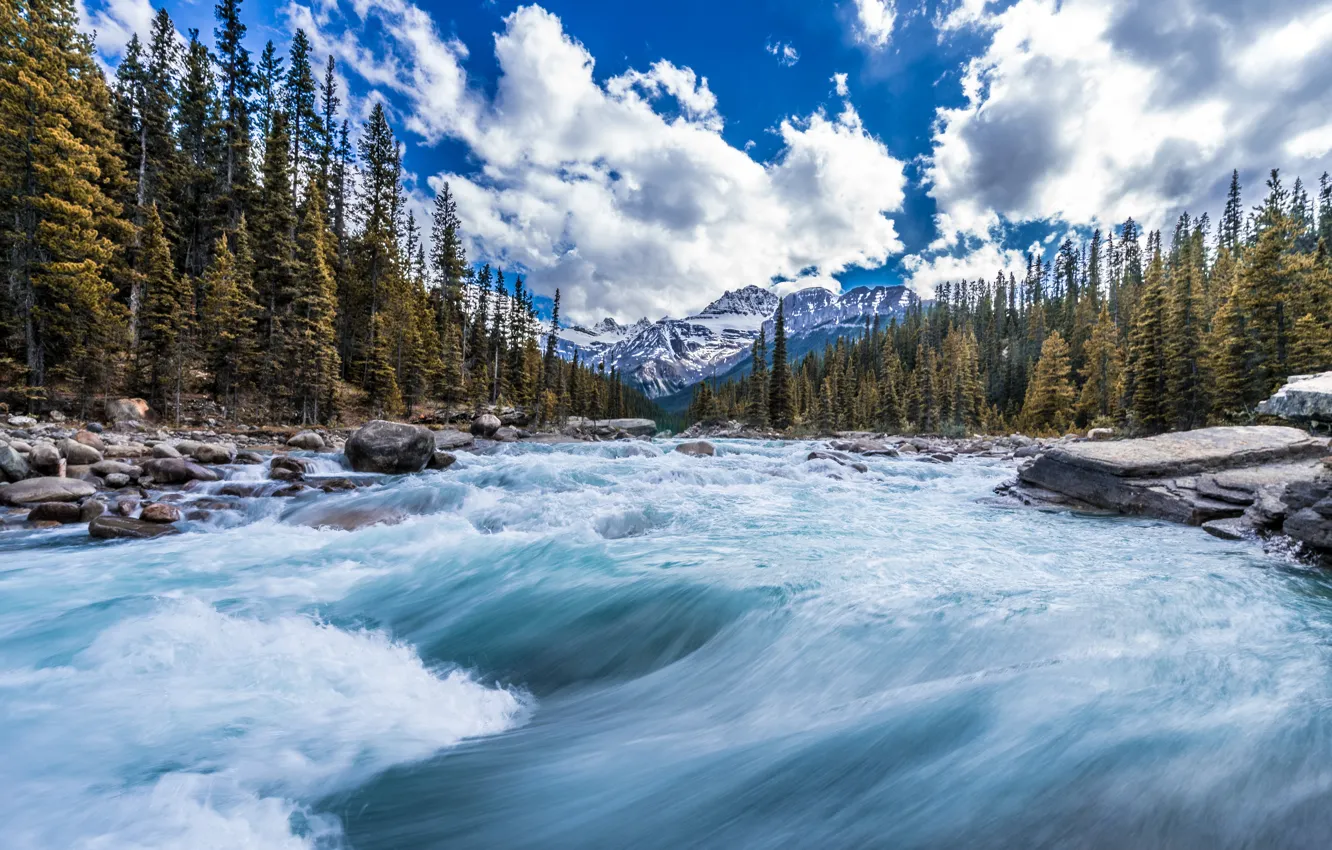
<point x="136" y="480"/>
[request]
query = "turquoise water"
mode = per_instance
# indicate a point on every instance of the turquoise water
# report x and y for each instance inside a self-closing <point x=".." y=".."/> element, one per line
<point x="605" y="646"/>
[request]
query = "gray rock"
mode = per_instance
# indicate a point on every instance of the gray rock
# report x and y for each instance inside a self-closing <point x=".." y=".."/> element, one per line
<point x="393" y="448"/>
<point x="698" y="448"/>
<point x="632" y="427"/>
<point x="507" y="434"/>
<point x="174" y="470"/>
<point x="1304" y="398"/>
<point x="214" y="453"/>
<point x="1101" y="434"/>
<point x="79" y="454"/>
<point x="107" y="527"/>
<point x="20" y="446"/>
<point x="451" y="440"/>
<point x="62" y="512"/>
<point x="116" y="480"/>
<point x="34" y="490"/>
<point x="287" y="463"/>
<point x="1029" y="450"/>
<point x="91" y="510"/>
<point x="839" y="459"/>
<point x="114" y="467"/>
<point x="1267" y="511"/>
<point x="187" y="447"/>
<point x="21" y="422"/>
<point x="1192" y="477"/>
<point x="1229" y="529"/>
<point x="13" y="467"/>
<point x="165" y="450"/>
<point x="56" y="416"/>
<point x="247" y="458"/>
<point x="442" y="460"/>
<point x="130" y="450"/>
<point x="94" y="427"/>
<point x="1309" y="527"/>
<point x="307" y="441"/>
<point x="45" y="459"/>
<point x="486" y="425"/>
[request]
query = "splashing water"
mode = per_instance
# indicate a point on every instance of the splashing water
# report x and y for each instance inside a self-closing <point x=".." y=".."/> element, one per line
<point x="608" y="646"/>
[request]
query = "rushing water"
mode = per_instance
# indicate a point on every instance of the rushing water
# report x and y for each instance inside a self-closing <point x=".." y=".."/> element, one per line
<point x="604" y="646"/>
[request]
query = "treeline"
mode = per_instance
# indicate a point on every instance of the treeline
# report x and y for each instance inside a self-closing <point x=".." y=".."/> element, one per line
<point x="1123" y="330"/>
<point x="205" y="223"/>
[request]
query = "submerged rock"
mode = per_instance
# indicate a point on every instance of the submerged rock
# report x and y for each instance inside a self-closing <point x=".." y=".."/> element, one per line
<point x="698" y="448"/>
<point x="118" y="527"/>
<point x="49" y="489"/>
<point x="393" y="448"/>
<point x="839" y="459"/>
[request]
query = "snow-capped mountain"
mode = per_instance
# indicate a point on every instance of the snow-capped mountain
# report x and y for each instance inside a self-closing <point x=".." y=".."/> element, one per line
<point x="670" y="355"/>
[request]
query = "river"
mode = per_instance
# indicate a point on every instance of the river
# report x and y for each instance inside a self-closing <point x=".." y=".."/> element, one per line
<point x="605" y="645"/>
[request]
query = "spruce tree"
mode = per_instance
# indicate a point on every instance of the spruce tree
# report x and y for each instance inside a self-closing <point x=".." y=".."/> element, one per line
<point x="780" y="410"/>
<point x="757" y="407"/>
<point x="167" y="320"/>
<point x="308" y="333"/>
<point x="236" y="74"/>
<point x="300" y="97"/>
<point x="58" y="163"/>
<point x="228" y="315"/>
<point x="1102" y="373"/>
<point x="1049" y="405"/>
<point x="274" y="239"/>
<point x="1147" y="352"/>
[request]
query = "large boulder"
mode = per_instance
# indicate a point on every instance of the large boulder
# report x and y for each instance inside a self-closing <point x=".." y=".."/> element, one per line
<point x="450" y="440"/>
<point x="486" y="425"/>
<point x="107" y="527"/>
<point x="306" y="441"/>
<point x="115" y="467"/>
<point x="78" y="454"/>
<point x="128" y="410"/>
<point x="394" y="448"/>
<point x="442" y="460"/>
<point x="165" y="450"/>
<point x="34" y="490"/>
<point x="13" y="467"/>
<point x="1304" y="398"/>
<point x="174" y="470"/>
<point x="1190" y="476"/>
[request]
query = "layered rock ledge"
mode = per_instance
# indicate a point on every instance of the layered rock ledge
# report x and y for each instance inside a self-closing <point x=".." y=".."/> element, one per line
<point x="1233" y="481"/>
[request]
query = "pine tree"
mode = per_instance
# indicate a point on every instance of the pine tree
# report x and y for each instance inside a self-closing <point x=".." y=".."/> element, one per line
<point x="381" y="384"/>
<point x="228" y="315"/>
<point x="1048" y="407"/>
<point x="300" y="96"/>
<point x="237" y="83"/>
<point x="274" y="238"/>
<point x="1147" y="352"/>
<point x="308" y="333"/>
<point x="757" y="407"/>
<point x="168" y="314"/>
<point x="1184" y="402"/>
<point x="199" y="140"/>
<point x="58" y="172"/>
<point x="780" y="409"/>
<point x="1102" y="374"/>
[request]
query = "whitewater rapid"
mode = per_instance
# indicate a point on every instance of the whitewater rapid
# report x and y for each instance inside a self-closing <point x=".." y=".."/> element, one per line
<point x="614" y="645"/>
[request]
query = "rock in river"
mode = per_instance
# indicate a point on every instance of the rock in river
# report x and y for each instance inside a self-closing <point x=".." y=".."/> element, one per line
<point x="113" y="527"/>
<point x="61" y="512"/>
<point x="448" y="440"/>
<point x="306" y="441"/>
<point x="174" y="470"/>
<point x="393" y="448"/>
<point x="698" y="448"/>
<point x="35" y="490"/>
<point x="1190" y="476"/>
<point x="486" y="425"/>
<point x="159" y="512"/>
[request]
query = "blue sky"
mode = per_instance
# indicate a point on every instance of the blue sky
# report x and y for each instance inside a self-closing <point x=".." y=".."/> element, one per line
<point x="644" y="157"/>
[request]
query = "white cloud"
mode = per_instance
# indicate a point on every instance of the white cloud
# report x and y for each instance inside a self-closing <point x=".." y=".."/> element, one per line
<point x="623" y="192"/>
<point x="785" y="52"/>
<point x="1089" y="111"/>
<point x="116" y="22"/>
<point x="927" y="271"/>
<point x="839" y="84"/>
<point x="874" y="22"/>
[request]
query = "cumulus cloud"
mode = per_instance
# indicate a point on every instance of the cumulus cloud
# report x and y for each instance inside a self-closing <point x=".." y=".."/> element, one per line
<point x="873" y="22"/>
<point x="623" y="192"/>
<point x="115" y="22"/>
<point x="1087" y="111"/>
<point x="839" y="85"/>
<point x="981" y="262"/>
<point x="785" y="52"/>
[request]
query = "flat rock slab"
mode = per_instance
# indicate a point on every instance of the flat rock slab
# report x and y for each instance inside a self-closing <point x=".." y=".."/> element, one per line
<point x="116" y="527"/>
<point x="50" y="489"/>
<point x="1190" y="452"/>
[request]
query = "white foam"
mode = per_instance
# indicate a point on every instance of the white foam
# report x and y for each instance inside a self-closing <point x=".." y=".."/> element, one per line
<point x="213" y="725"/>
